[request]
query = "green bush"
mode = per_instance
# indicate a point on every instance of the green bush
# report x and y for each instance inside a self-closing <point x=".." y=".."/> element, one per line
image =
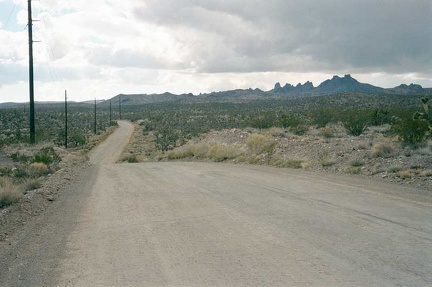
<point x="380" y="117"/>
<point x="299" y="130"/>
<point x="410" y="130"/>
<point x="355" y="126"/>
<point x="322" y="117"/>
<point x="47" y="155"/>
<point x="290" y="121"/>
<point x="132" y="159"/>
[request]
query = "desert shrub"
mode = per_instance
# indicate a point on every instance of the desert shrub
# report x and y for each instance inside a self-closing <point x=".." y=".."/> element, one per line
<point x="290" y="120"/>
<point x="322" y="117"/>
<point x="277" y="132"/>
<point x="47" y="155"/>
<point x="198" y="150"/>
<point x="380" y="117"/>
<point x="327" y="132"/>
<point x="221" y="152"/>
<point x="166" y="139"/>
<point x="426" y="173"/>
<point x="173" y="154"/>
<point x="38" y="169"/>
<point x="353" y="169"/>
<point x="355" y="126"/>
<point x="32" y="184"/>
<point x="299" y="130"/>
<point x="9" y="193"/>
<point x="264" y="121"/>
<point x="260" y="144"/>
<point x="326" y="160"/>
<point x="383" y="148"/>
<point x="411" y="131"/>
<point x="404" y="174"/>
<point x="18" y="157"/>
<point x="132" y="159"/>
<point x="287" y="163"/>
<point x="19" y="172"/>
<point x="357" y="162"/>
<point x="394" y="169"/>
<point x="77" y="139"/>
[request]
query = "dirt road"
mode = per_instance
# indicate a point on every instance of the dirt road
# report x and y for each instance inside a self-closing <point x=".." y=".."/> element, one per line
<point x="203" y="224"/>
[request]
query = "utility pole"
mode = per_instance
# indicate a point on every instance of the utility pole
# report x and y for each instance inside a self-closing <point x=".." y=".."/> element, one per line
<point x="31" y="77"/>
<point x="120" y="107"/>
<point x="66" y="121"/>
<point x="110" y="122"/>
<point x="95" y="129"/>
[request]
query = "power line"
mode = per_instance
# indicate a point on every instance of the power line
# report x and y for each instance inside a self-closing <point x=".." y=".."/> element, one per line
<point x="6" y="25"/>
<point x="10" y="16"/>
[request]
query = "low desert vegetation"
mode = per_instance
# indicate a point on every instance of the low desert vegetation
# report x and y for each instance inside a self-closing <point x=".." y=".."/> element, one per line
<point x="326" y="160"/>
<point x="350" y="133"/>
<point x="9" y="192"/>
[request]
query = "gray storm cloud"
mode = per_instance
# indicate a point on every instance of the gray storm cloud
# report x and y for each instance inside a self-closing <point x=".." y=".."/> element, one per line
<point x="391" y="36"/>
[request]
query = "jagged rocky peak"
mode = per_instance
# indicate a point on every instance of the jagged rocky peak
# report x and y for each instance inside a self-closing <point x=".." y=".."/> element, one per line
<point x="277" y="86"/>
<point x="306" y="86"/>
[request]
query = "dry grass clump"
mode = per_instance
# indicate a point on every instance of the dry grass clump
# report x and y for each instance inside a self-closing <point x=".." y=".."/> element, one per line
<point x="260" y="144"/>
<point x="326" y="160"/>
<point x="38" y="169"/>
<point x="277" y="132"/>
<point x="353" y="169"/>
<point x="383" y="148"/>
<point x="426" y="173"/>
<point x="328" y="132"/>
<point x="222" y="152"/>
<point x="405" y="174"/>
<point x="32" y="184"/>
<point x="197" y="151"/>
<point x="287" y="163"/>
<point x="9" y="193"/>
<point x="394" y="169"/>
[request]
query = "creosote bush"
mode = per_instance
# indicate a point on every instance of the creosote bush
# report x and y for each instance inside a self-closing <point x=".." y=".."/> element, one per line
<point x="355" y="126"/>
<point x="410" y="130"/>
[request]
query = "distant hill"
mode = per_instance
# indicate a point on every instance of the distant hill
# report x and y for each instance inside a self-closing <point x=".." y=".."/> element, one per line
<point x="333" y="86"/>
<point x="336" y="85"/>
<point x="405" y="89"/>
<point x="137" y="99"/>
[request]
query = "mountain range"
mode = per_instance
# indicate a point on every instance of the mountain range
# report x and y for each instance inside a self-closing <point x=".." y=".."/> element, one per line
<point x="335" y="85"/>
<point x="346" y="84"/>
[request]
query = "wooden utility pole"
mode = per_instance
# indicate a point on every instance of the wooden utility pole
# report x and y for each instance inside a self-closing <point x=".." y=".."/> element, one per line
<point x="66" y="121"/>
<point x="120" y="107"/>
<point x="95" y="129"/>
<point x="110" y="122"/>
<point x="31" y="77"/>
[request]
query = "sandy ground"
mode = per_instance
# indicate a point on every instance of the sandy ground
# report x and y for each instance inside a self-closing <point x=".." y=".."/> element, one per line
<point x="208" y="224"/>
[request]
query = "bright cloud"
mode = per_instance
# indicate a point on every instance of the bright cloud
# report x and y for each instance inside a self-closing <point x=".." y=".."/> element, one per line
<point x="100" y="48"/>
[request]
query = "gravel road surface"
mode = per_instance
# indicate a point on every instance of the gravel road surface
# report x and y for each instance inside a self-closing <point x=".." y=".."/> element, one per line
<point x="207" y="224"/>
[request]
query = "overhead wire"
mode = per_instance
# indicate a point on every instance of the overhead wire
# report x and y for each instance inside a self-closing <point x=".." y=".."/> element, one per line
<point x="5" y="27"/>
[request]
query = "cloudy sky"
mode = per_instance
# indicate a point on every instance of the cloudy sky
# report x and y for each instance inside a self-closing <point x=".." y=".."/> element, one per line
<point x="100" y="48"/>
